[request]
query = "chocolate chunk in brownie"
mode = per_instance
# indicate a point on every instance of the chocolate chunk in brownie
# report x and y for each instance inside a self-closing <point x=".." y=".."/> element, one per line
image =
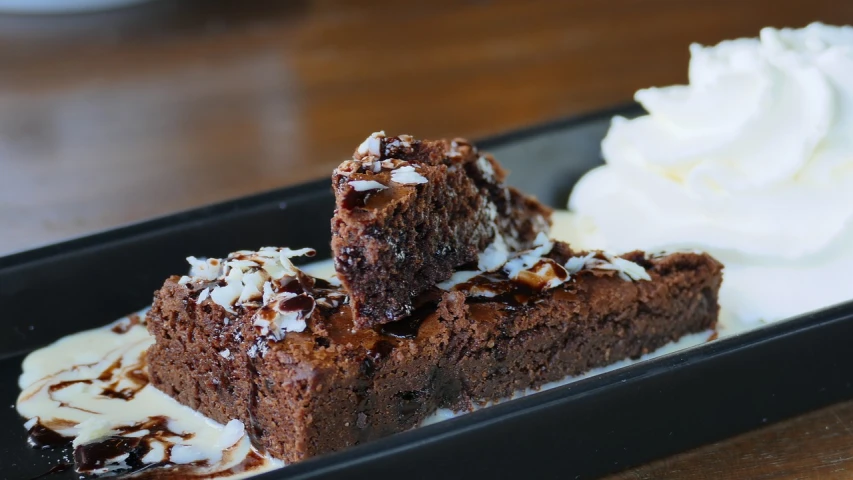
<point x="409" y="212"/>
<point x="231" y="341"/>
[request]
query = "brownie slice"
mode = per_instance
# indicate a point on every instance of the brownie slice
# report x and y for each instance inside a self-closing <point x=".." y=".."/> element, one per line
<point x="305" y="381"/>
<point x="409" y="212"/>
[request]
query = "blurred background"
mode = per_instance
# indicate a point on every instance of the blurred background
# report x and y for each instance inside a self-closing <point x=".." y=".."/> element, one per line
<point x="112" y="117"/>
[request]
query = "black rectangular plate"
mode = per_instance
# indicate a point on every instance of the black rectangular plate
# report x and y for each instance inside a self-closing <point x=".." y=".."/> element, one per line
<point x="586" y="429"/>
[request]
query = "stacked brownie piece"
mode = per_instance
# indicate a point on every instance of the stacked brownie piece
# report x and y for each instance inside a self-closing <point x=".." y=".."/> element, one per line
<point x="448" y="294"/>
<point x="410" y="212"/>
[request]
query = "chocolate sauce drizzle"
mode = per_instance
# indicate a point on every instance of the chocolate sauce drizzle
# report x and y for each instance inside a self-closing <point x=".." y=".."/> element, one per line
<point x="124" y="327"/>
<point x="498" y="287"/>
<point x="39" y="436"/>
<point x="94" y="456"/>
<point x="135" y="373"/>
<point x="65" y="384"/>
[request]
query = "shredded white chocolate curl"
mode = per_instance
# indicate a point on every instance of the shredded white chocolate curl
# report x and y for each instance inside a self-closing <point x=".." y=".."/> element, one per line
<point x="576" y="264"/>
<point x="534" y="268"/>
<point x="203" y="295"/>
<point x="227" y="295"/>
<point x="285" y="313"/>
<point x="255" y="279"/>
<point x="486" y="167"/>
<point x="407" y="175"/>
<point x="205" y="269"/>
<point x="527" y="259"/>
<point x="494" y="256"/>
<point x="366" y="185"/>
<point x="626" y="269"/>
<point x="372" y="145"/>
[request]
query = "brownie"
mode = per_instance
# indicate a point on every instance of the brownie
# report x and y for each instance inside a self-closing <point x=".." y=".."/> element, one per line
<point x="408" y="212"/>
<point x="292" y="365"/>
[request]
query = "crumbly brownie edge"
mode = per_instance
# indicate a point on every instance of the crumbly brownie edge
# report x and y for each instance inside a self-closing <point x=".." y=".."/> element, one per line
<point x="188" y="360"/>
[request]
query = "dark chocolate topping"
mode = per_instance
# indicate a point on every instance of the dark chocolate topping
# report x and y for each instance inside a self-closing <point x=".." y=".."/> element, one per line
<point x="92" y="456"/>
<point x="40" y="436"/>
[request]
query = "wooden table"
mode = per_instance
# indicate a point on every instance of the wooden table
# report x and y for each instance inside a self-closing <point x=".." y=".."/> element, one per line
<point x="121" y="116"/>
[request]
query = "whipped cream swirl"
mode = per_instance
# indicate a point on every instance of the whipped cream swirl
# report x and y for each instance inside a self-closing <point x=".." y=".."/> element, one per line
<point x="752" y="161"/>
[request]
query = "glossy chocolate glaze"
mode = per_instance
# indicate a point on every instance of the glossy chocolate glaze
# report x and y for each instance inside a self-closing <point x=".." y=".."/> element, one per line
<point x="134" y="441"/>
<point x="39" y="436"/>
<point x="498" y="287"/>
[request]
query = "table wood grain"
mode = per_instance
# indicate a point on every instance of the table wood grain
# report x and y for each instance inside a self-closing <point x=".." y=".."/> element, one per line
<point x="121" y="116"/>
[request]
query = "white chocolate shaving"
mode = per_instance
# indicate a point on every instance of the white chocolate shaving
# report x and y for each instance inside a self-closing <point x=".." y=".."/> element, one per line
<point x="407" y="175"/>
<point x="366" y="185"/>
<point x="372" y="144"/>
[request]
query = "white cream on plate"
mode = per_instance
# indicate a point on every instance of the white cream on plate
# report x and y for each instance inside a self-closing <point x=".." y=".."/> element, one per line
<point x="751" y="162"/>
<point x="93" y="387"/>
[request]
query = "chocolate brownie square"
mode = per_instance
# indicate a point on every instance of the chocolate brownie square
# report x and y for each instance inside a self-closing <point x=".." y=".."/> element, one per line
<point x="409" y="212"/>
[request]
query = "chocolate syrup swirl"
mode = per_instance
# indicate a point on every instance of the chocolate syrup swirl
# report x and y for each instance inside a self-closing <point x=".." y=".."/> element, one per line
<point x="425" y="305"/>
<point x="42" y="437"/>
<point x="405" y="328"/>
<point x="95" y="456"/>
<point x="126" y="450"/>
<point x="498" y="287"/>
